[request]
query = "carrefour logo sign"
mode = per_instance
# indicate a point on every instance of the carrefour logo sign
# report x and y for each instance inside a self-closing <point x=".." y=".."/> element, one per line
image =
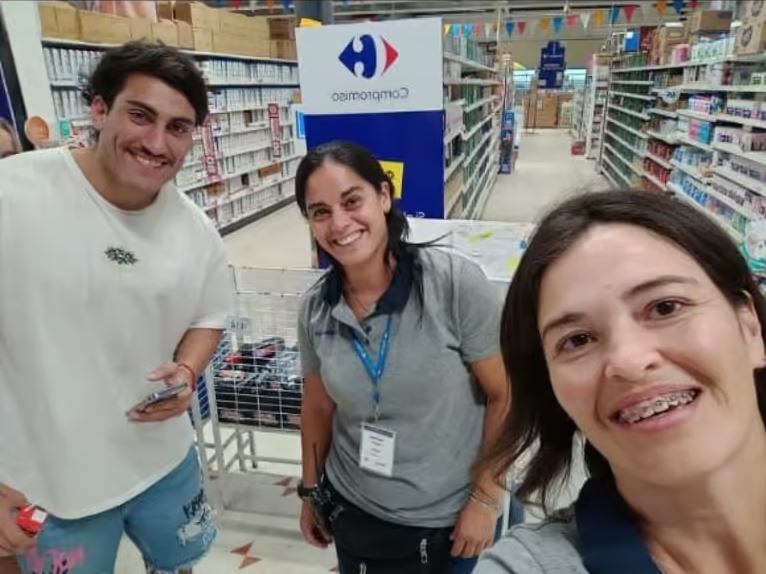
<point x="368" y="56"/>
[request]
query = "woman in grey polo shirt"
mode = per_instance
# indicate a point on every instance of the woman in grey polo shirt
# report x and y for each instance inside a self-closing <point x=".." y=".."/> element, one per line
<point x="634" y="321"/>
<point x="403" y="381"/>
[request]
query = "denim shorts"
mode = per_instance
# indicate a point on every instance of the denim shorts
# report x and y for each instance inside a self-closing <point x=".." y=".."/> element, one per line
<point x="171" y="524"/>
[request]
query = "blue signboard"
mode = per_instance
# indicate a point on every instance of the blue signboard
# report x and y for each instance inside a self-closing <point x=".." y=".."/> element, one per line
<point x="380" y="84"/>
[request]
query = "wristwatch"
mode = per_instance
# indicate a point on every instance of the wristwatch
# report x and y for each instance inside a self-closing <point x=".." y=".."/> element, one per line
<point x="305" y="492"/>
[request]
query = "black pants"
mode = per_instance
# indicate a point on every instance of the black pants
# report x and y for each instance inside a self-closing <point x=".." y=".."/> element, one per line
<point x="368" y="545"/>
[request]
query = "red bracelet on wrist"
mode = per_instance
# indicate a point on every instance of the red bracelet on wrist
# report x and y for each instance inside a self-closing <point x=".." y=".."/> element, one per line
<point x="191" y="372"/>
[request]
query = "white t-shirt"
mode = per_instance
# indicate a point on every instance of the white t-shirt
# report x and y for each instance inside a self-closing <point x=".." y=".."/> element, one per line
<point x="92" y="299"/>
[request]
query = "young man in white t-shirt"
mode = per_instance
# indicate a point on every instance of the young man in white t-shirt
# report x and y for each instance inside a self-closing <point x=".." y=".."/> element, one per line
<point x="112" y="284"/>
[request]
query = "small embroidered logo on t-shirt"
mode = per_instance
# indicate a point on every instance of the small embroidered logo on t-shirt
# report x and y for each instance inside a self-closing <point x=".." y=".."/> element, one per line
<point x="121" y="256"/>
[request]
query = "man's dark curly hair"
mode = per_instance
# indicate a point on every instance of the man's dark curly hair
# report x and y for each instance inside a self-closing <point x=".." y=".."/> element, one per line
<point x="165" y="63"/>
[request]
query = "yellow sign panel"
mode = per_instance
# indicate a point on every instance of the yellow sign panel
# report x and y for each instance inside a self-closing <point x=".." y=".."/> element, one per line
<point x="395" y="171"/>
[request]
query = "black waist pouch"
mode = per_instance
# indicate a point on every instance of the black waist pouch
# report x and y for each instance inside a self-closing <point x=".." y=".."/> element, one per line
<point x="369" y="545"/>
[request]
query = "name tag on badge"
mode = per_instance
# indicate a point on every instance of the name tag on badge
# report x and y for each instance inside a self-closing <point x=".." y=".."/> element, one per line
<point x="376" y="452"/>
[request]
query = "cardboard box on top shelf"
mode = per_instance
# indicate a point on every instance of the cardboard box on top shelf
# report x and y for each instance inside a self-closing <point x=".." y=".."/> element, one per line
<point x="203" y="39"/>
<point x="59" y="20"/>
<point x="103" y="28"/>
<point x="233" y="23"/>
<point x="282" y="28"/>
<point x="284" y="49"/>
<point x="198" y="15"/>
<point x="165" y="31"/>
<point x="185" y="35"/>
<point x="258" y="27"/>
<point x="261" y="47"/>
<point x="754" y="11"/>
<point x="48" y="26"/>
<point x="164" y="10"/>
<point x="140" y="29"/>
<point x="703" y="21"/>
<point x="751" y="38"/>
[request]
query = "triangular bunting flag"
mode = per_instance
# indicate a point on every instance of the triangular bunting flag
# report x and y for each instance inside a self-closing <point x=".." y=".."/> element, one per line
<point x="235" y="3"/>
<point x="558" y="23"/>
<point x="467" y="30"/>
<point x="455" y="30"/>
<point x="248" y="561"/>
<point x="509" y="25"/>
<point x="693" y="4"/>
<point x="629" y="10"/>
<point x="243" y="550"/>
<point x="285" y="5"/>
<point x="678" y="5"/>
<point x="476" y="28"/>
<point x="521" y="25"/>
<point x="487" y="30"/>
<point x="645" y="9"/>
<point x="544" y="24"/>
<point x="614" y="15"/>
<point x="662" y="5"/>
<point x="598" y="18"/>
<point x="446" y="29"/>
<point x="270" y="4"/>
<point x="571" y="20"/>
<point x="585" y="17"/>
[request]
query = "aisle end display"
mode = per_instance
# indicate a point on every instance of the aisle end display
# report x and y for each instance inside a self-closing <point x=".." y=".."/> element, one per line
<point x="380" y="84"/>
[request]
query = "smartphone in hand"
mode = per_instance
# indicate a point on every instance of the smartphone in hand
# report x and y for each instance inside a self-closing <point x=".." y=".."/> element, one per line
<point x="157" y="396"/>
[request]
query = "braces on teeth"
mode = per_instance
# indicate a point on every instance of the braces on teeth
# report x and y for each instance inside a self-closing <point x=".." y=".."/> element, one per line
<point x="659" y="405"/>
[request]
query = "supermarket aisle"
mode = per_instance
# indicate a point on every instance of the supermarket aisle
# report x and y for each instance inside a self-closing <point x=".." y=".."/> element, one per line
<point x="545" y="173"/>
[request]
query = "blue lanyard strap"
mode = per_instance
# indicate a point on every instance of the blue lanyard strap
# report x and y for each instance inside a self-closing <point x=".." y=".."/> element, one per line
<point x="375" y="370"/>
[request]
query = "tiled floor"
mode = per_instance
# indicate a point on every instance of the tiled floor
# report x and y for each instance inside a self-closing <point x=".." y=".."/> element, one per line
<point x="265" y="539"/>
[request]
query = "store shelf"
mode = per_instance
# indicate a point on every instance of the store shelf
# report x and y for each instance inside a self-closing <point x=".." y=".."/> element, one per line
<point x="249" y="218"/>
<point x="468" y="63"/>
<point x="622" y="176"/>
<point x="680" y="193"/>
<point x="478" y="104"/>
<point x="635" y="96"/>
<point x="699" y="145"/>
<point x="242" y="109"/>
<point x="720" y="88"/>
<point x="65" y="84"/>
<point x="198" y="184"/>
<point x="481" y="202"/>
<point x="629" y="112"/>
<point x="659" y="160"/>
<point x="628" y="128"/>
<point x="606" y="174"/>
<point x="697" y="115"/>
<point x="630" y="165"/>
<point x="663" y="137"/>
<point x="476" y="128"/>
<point x="450" y="205"/>
<point x="665" y="113"/>
<point x="758" y="157"/>
<point x="626" y="144"/>
<point x="478" y="147"/>
<point x="646" y="68"/>
<point x="633" y="82"/>
<point x="688" y="170"/>
<point x="470" y="82"/>
<point x="251" y="83"/>
<point x="452" y="135"/>
<point x="747" y="182"/>
<point x="77" y="44"/>
<point x="456" y="162"/>
<point x="655" y="181"/>
<point x="742" y="121"/>
<point x="730" y="203"/>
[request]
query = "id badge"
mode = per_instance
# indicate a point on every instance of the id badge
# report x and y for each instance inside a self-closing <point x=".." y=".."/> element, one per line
<point x="376" y="452"/>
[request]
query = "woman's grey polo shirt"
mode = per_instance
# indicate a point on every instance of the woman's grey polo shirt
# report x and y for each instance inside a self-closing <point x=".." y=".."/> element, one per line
<point x="428" y="395"/>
